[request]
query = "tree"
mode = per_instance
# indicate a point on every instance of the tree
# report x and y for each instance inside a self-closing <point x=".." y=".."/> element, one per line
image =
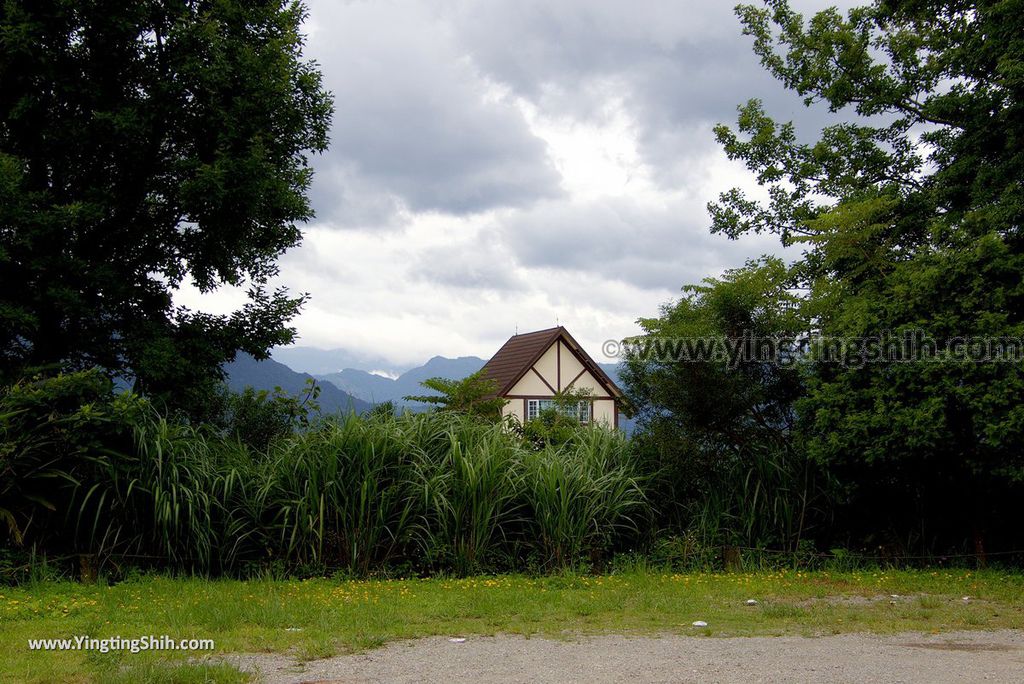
<point x="909" y="214"/>
<point x="715" y="362"/>
<point x="143" y="146"/>
<point x="473" y="395"/>
<point x="258" y="418"/>
<point x="715" y="380"/>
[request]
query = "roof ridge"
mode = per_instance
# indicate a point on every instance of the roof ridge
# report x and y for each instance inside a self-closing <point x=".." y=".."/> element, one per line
<point x="537" y="332"/>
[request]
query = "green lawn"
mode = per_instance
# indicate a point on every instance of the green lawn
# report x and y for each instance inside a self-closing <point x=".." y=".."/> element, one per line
<point x="321" y="617"/>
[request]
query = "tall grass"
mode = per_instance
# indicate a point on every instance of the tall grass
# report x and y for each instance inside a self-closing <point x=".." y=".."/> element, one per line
<point x="181" y="495"/>
<point x="470" y="491"/>
<point x="582" y="495"/>
<point x="341" y="494"/>
<point x="428" y="492"/>
<point x="766" y="497"/>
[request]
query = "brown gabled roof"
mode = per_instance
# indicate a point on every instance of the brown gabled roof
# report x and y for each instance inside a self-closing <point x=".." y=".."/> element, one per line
<point x="517" y="356"/>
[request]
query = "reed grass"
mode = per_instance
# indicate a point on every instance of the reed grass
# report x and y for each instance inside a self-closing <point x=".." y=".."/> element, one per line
<point x="435" y="492"/>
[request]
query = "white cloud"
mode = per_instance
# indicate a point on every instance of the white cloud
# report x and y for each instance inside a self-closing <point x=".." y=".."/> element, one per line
<point x="416" y="124"/>
<point x="510" y="165"/>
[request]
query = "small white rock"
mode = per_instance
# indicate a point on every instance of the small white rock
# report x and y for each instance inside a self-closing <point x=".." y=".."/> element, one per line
<point x="965" y="599"/>
<point x="894" y="596"/>
<point x="293" y="629"/>
<point x="457" y="640"/>
<point x="700" y="623"/>
<point x="751" y="602"/>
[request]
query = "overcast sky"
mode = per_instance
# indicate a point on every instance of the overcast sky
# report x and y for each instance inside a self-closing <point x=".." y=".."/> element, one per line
<point x="496" y="165"/>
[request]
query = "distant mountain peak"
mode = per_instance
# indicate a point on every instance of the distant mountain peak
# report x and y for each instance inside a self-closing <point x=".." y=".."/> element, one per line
<point x="245" y="371"/>
<point x="376" y="386"/>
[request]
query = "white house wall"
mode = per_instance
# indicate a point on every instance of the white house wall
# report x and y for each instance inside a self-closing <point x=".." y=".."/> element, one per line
<point x="530" y="385"/>
<point x="557" y="368"/>
<point x="570" y="366"/>
<point x="514" y="407"/>
<point x="547" y="366"/>
<point x="604" y="412"/>
<point x="588" y="382"/>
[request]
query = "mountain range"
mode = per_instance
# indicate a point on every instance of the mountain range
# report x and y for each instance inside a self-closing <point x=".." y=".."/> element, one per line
<point x="324" y="361"/>
<point x="245" y="371"/>
<point x="376" y="388"/>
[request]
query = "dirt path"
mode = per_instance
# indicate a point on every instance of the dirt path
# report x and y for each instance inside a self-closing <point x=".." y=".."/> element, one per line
<point x="951" y="657"/>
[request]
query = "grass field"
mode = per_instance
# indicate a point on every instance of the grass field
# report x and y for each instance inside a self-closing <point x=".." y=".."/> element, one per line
<point x="321" y="617"/>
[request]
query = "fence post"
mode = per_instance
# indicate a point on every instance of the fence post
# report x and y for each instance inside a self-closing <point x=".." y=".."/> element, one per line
<point x="87" y="564"/>
<point x="732" y="559"/>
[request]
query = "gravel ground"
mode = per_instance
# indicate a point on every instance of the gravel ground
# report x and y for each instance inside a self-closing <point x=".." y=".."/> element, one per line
<point x="950" y="657"/>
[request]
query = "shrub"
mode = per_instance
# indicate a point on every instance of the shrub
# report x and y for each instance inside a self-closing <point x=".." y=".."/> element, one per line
<point x="51" y="431"/>
<point x="257" y="418"/>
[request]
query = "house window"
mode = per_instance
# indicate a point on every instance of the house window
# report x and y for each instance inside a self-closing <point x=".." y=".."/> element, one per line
<point x="579" y="411"/>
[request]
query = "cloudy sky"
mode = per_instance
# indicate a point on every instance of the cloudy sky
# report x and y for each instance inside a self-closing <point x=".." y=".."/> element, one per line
<point x="504" y="165"/>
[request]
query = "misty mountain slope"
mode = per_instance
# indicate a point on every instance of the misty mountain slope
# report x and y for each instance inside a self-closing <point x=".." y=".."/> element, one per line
<point x="359" y="383"/>
<point x="324" y="361"/>
<point x="376" y="388"/>
<point x="245" y="371"/>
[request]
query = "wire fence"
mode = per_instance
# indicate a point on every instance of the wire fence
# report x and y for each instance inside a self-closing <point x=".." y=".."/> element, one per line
<point x="728" y="558"/>
<point x="880" y="557"/>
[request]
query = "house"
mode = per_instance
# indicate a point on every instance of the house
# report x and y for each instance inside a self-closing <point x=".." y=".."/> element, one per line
<point x="531" y="368"/>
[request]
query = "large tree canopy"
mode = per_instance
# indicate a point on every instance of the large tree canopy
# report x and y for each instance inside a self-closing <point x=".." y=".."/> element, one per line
<point x="144" y="144"/>
<point x="908" y="213"/>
